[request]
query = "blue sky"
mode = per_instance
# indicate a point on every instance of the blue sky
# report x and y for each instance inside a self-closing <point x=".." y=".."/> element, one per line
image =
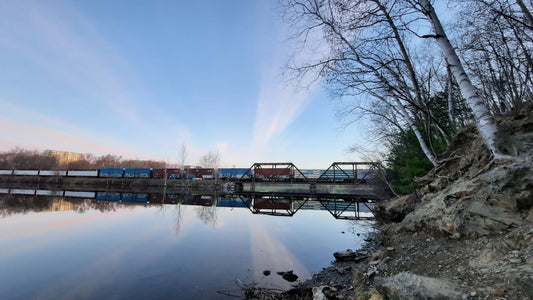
<point x="138" y="78"/>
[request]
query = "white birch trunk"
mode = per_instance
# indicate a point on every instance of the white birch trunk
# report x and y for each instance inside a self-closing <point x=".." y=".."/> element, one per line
<point x="403" y="112"/>
<point x="485" y="123"/>
<point x="450" y="100"/>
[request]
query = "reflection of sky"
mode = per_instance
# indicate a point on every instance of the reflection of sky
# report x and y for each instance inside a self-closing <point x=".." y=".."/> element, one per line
<point x="137" y="252"/>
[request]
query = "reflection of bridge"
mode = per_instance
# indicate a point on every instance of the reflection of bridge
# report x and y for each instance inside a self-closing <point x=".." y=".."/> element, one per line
<point x="288" y="206"/>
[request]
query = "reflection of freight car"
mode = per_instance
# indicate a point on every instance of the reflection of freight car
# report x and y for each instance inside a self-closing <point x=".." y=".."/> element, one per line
<point x="199" y="200"/>
<point x="164" y="199"/>
<point x="123" y="197"/>
<point x="138" y="198"/>
<point x="271" y="203"/>
<point x="233" y="202"/>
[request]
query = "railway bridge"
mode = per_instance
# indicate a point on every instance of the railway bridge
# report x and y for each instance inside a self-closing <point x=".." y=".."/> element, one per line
<point x="354" y="180"/>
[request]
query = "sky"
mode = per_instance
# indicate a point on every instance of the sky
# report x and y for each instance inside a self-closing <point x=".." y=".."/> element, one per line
<point x="139" y="78"/>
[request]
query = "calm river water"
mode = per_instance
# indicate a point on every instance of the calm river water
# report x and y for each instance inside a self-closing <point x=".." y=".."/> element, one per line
<point x="89" y="249"/>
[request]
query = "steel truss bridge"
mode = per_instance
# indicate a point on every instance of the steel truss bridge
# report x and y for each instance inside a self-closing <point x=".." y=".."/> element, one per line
<point x="281" y="189"/>
<point x="356" y="180"/>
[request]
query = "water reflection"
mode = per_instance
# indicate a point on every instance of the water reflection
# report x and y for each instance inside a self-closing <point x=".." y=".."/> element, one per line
<point x="126" y="245"/>
<point x="341" y="208"/>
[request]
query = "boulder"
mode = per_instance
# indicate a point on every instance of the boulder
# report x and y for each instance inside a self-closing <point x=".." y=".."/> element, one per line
<point x="406" y="285"/>
<point x="345" y="255"/>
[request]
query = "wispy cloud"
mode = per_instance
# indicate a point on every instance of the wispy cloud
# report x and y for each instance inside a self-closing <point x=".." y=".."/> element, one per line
<point x="63" y="43"/>
<point x="282" y="100"/>
<point x="278" y="105"/>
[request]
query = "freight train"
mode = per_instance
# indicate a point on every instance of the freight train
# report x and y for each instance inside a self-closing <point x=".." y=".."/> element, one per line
<point x="266" y="174"/>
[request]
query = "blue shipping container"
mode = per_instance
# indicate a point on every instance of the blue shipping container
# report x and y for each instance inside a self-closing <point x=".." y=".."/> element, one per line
<point x="138" y="172"/>
<point x="111" y="172"/>
<point x="234" y="173"/>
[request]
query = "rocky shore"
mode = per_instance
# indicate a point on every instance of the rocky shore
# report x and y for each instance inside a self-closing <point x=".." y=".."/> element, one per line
<point x="467" y="233"/>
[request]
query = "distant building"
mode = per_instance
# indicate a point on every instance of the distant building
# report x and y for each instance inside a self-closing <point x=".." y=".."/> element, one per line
<point x="59" y="204"/>
<point x="63" y="158"/>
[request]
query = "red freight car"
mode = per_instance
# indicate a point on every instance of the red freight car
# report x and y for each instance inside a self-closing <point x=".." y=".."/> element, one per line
<point x="266" y="203"/>
<point x="171" y="173"/>
<point x="204" y="173"/>
<point x="273" y="173"/>
<point x="199" y="200"/>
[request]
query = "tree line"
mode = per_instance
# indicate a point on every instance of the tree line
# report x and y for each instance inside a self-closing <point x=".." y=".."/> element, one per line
<point x="23" y="159"/>
<point x="393" y="62"/>
<point x="31" y="159"/>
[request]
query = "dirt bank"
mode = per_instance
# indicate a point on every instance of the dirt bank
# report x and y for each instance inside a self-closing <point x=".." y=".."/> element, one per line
<point x="467" y="233"/>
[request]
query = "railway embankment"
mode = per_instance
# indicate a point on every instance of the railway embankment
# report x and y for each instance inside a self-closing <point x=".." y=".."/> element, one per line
<point x="467" y="232"/>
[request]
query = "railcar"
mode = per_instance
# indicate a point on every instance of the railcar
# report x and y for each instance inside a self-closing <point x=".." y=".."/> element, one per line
<point x="308" y="173"/>
<point x="111" y="172"/>
<point x="170" y="173"/>
<point x="234" y="173"/>
<point x="273" y="174"/>
<point x="137" y="173"/>
<point x="26" y="172"/>
<point x="82" y="173"/>
<point x="200" y="173"/>
<point x="52" y="173"/>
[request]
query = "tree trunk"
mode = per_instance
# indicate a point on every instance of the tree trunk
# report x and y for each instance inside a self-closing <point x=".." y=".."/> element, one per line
<point x="525" y="11"/>
<point x="403" y="112"/>
<point x="485" y="123"/>
<point x="450" y="99"/>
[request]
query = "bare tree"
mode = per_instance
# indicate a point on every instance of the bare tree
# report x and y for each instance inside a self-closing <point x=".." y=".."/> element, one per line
<point x="496" y="42"/>
<point x="210" y="160"/>
<point x="367" y="56"/>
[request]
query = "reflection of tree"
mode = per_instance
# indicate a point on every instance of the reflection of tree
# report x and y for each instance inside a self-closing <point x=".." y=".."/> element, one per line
<point x="12" y="205"/>
<point x="177" y="219"/>
<point x="207" y="214"/>
<point x="23" y="204"/>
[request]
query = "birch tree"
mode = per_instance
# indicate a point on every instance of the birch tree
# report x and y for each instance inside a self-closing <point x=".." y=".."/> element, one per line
<point x="485" y="122"/>
<point x="367" y="56"/>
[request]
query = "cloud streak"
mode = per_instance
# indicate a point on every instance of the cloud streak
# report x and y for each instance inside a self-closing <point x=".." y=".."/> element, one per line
<point x="63" y="43"/>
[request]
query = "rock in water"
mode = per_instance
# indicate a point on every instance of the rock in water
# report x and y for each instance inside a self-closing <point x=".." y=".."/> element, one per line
<point x="266" y="272"/>
<point x="345" y="255"/>
<point x="289" y="276"/>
